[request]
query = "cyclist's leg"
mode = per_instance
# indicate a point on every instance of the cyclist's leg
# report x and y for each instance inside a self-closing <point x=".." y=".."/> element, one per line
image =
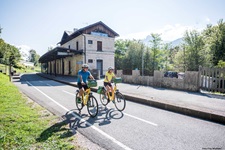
<point x="106" y="88"/>
<point x="110" y="88"/>
<point x="81" y="91"/>
<point x="85" y="87"/>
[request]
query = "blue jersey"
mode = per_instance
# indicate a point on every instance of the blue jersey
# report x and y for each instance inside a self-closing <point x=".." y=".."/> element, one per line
<point x="84" y="75"/>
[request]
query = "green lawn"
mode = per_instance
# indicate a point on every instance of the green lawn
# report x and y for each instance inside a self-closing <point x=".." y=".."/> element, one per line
<point x="3" y="68"/>
<point x="23" y="70"/>
<point x="26" y="125"/>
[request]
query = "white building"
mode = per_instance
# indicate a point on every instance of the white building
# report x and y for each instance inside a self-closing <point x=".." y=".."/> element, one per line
<point x="93" y="45"/>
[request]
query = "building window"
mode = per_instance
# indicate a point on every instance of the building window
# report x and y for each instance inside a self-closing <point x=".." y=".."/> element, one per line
<point x="77" y="45"/>
<point x="90" y="42"/>
<point x="99" y="45"/>
<point x="90" y="60"/>
<point x="69" y="46"/>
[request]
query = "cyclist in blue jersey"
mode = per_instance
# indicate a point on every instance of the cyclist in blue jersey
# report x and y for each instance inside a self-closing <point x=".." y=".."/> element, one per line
<point x="83" y="75"/>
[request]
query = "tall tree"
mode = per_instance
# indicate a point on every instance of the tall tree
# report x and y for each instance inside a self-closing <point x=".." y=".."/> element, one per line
<point x="33" y="57"/>
<point x="9" y="54"/>
<point x="133" y="57"/>
<point x="156" y="53"/>
<point x="180" y="59"/>
<point x="215" y="39"/>
<point x="121" y="47"/>
<point x="194" y="50"/>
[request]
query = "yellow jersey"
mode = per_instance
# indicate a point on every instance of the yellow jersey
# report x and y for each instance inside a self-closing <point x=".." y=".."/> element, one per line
<point x="109" y="76"/>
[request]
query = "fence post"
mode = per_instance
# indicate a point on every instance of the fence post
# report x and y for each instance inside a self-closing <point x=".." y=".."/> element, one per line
<point x="199" y="78"/>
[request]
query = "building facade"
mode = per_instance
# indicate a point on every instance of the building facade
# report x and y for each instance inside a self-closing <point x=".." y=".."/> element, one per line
<point x="93" y="45"/>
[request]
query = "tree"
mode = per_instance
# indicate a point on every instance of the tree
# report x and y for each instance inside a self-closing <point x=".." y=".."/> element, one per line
<point x="194" y="50"/>
<point x="147" y="62"/>
<point x="34" y="57"/>
<point x="180" y="59"/>
<point x="156" y="53"/>
<point x="9" y="54"/>
<point x="215" y="38"/>
<point x="221" y="64"/>
<point x="120" y="51"/>
<point x="133" y="57"/>
<point x="2" y="50"/>
<point x="0" y="30"/>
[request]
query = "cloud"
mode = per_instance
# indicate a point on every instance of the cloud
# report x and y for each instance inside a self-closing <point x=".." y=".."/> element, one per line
<point x="207" y="19"/>
<point x="24" y="48"/>
<point x="24" y="51"/>
<point x="173" y="32"/>
<point x="168" y="32"/>
<point x="137" y="35"/>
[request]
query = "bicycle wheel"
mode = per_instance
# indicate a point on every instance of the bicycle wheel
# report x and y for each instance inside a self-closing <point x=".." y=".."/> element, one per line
<point x="120" y="101"/>
<point x="103" y="98"/>
<point x="78" y="104"/>
<point x="92" y="106"/>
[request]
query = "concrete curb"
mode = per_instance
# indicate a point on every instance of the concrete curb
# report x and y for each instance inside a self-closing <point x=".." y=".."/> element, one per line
<point x="178" y="109"/>
<point x="173" y="108"/>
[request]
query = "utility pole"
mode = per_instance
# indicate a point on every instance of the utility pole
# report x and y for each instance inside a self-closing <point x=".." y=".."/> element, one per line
<point x="184" y="58"/>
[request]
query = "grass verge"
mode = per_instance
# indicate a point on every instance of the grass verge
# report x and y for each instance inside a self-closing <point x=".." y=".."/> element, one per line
<point x="26" y="125"/>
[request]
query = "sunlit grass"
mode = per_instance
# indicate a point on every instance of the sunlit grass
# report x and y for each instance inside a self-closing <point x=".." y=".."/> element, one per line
<point x="26" y="125"/>
<point x="24" y="69"/>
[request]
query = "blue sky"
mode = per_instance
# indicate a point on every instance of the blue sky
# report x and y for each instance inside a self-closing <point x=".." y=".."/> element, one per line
<point x="40" y="24"/>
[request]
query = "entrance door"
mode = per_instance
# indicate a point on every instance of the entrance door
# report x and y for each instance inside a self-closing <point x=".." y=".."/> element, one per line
<point x="100" y="66"/>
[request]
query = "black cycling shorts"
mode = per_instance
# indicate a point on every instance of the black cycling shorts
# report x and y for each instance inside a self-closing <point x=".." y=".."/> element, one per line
<point x="107" y="83"/>
<point x="80" y="86"/>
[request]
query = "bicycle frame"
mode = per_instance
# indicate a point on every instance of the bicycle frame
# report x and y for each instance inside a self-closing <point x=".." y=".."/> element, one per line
<point x="85" y="95"/>
<point x="113" y="93"/>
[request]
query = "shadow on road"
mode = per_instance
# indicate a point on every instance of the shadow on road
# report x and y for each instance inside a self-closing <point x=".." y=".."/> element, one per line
<point x="37" y="80"/>
<point x="59" y="128"/>
<point x="105" y="115"/>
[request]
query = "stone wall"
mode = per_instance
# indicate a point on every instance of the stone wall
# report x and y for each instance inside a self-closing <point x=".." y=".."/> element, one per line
<point x="189" y="83"/>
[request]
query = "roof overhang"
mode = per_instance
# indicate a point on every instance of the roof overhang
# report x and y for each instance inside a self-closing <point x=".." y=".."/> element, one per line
<point x="86" y="30"/>
<point x="58" y="53"/>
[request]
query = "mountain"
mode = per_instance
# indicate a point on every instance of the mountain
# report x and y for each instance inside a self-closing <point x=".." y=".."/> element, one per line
<point x="24" y="51"/>
<point x="147" y="39"/>
<point x="174" y="43"/>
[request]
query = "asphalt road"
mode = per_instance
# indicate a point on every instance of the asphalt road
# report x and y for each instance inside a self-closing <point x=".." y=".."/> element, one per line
<point x="138" y="127"/>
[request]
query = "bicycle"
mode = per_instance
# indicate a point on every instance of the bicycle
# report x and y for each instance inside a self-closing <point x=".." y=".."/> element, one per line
<point x="115" y="96"/>
<point x="87" y="99"/>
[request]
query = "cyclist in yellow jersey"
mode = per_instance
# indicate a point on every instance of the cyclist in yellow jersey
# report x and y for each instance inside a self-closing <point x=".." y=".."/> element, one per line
<point x="108" y="79"/>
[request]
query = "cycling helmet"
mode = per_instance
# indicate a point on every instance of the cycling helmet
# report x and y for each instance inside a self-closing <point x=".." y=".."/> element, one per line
<point x="110" y="68"/>
<point x="84" y="66"/>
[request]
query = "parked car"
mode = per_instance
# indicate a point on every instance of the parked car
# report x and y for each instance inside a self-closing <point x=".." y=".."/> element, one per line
<point x="171" y="74"/>
<point x="181" y="75"/>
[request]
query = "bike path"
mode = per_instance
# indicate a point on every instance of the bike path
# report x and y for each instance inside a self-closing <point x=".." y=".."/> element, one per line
<point x="201" y="105"/>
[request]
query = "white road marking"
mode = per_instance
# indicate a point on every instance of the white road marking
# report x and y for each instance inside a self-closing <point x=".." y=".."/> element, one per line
<point x="68" y="93"/>
<point x="89" y="124"/>
<point x="151" y="123"/>
<point x="46" y="83"/>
